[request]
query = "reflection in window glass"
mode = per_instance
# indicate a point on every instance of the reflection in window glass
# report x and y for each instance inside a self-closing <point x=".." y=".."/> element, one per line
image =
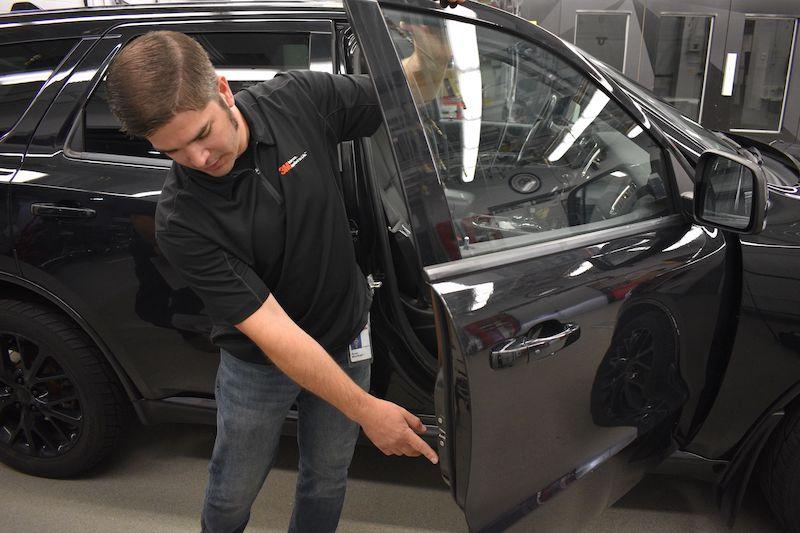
<point x="243" y="58"/>
<point x="24" y="67"/>
<point x="728" y="193"/>
<point x="603" y="35"/>
<point x="527" y="148"/>
<point x="680" y="65"/>
<point x="763" y="65"/>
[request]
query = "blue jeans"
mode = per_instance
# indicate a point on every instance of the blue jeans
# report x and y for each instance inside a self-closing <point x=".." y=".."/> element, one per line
<point x="252" y="403"/>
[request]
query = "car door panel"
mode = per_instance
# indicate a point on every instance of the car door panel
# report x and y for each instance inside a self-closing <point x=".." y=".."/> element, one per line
<point x="539" y="425"/>
<point x="607" y="307"/>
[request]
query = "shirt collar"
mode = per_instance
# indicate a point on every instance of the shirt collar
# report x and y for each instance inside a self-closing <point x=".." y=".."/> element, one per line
<point x="260" y="132"/>
<point x="256" y="120"/>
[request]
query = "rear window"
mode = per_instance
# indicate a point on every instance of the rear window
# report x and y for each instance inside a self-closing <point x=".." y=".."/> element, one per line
<point x="24" y="67"/>
<point x="243" y="58"/>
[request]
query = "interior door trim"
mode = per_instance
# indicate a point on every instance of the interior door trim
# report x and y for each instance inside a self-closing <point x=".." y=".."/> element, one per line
<point x="443" y="271"/>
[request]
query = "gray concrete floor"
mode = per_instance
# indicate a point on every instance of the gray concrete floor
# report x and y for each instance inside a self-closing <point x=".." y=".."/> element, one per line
<point x="154" y="482"/>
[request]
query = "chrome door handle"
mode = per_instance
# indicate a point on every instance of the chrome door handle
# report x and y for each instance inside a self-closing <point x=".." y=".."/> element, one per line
<point x="57" y="211"/>
<point x="510" y="351"/>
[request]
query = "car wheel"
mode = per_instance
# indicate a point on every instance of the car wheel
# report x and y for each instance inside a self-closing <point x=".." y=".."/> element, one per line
<point x="780" y="471"/>
<point x="60" y="403"/>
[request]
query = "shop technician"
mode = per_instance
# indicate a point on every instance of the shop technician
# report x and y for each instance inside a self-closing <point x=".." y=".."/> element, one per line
<point x="251" y="217"/>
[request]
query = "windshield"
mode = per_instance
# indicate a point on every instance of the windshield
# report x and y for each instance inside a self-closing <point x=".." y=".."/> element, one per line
<point x="700" y="136"/>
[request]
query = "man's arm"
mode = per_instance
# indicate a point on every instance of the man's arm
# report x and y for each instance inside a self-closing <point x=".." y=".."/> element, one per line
<point x="299" y="356"/>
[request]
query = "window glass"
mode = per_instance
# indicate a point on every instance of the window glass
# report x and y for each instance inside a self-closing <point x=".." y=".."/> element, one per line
<point x="700" y="136"/>
<point x="24" y="67"/>
<point x="527" y="148"/>
<point x="243" y="58"/>
<point x="680" y="66"/>
<point x="763" y="64"/>
<point x="603" y="35"/>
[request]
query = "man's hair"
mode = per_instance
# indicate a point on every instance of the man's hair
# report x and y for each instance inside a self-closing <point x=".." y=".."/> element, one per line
<point x="160" y="74"/>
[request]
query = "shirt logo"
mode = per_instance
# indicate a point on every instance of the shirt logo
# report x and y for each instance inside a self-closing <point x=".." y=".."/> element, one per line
<point x="290" y="164"/>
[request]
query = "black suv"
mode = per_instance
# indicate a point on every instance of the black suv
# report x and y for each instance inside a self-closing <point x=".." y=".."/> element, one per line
<point x="576" y="282"/>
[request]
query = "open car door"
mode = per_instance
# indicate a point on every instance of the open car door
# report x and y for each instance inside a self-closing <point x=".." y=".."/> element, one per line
<point x="543" y="210"/>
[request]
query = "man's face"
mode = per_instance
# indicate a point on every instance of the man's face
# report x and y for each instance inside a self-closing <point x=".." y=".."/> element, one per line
<point x="208" y="140"/>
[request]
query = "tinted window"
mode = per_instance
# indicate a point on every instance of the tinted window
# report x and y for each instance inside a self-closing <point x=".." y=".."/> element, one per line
<point x="243" y="58"/>
<point x="700" y="136"/>
<point x="24" y="67"/>
<point x="528" y="148"/>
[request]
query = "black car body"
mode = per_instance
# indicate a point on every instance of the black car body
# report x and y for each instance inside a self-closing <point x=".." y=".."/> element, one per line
<point x="560" y="341"/>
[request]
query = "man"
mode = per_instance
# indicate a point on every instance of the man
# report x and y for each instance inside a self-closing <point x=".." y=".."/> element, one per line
<point x="251" y="217"/>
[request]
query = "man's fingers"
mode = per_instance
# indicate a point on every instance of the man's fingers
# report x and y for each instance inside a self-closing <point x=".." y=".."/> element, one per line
<point x="422" y="447"/>
<point x="414" y="422"/>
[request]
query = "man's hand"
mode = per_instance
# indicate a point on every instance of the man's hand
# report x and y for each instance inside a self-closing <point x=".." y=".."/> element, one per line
<point x="392" y="429"/>
<point x="301" y="358"/>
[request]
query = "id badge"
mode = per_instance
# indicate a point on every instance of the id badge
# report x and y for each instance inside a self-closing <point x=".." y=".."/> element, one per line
<point x="361" y="347"/>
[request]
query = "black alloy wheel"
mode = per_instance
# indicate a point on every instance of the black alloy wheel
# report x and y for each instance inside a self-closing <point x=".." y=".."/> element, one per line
<point x="40" y="413"/>
<point x="61" y="405"/>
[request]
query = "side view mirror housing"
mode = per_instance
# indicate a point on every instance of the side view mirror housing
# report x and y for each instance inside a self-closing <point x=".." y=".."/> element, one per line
<point x="730" y="192"/>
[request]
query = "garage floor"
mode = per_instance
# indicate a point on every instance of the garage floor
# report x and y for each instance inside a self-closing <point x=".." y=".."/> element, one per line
<point x="155" y="482"/>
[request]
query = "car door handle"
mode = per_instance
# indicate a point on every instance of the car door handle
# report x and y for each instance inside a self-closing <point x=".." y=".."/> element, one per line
<point x="57" y="211"/>
<point x="510" y="351"/>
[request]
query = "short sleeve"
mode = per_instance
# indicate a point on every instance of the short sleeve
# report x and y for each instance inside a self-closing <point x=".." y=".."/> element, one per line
<point x="229" y="288"/>
<point x="347" y="103"/>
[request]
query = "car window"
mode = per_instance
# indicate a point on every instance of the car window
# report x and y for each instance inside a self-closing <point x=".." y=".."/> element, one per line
<point x="243" y="58"/>
<point x="700" y="136"/>
<point x="527" y="147"/>
<point x="24" y="67"/>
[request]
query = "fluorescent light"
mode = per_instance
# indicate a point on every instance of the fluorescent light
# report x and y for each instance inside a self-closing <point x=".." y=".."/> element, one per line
<point x="729" y="74"/>
<point x="25" y="77"/>
<point x="591" y="111"/>
<point x="466" y="61"/>
<point x="247" y="74"/>
<point x="635" y="131"/>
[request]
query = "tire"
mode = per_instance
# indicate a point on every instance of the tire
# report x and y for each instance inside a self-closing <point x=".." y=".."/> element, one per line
<point x="61" y="405"/>
<point x="780" y="472"/>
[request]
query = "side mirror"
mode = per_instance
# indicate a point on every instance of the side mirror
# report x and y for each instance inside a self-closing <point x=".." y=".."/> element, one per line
<point x="730" y="192"/>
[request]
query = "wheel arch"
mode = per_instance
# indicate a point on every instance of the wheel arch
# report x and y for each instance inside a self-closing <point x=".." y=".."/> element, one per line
<point x="730" y="489"/>
<point x="12" y="286"/>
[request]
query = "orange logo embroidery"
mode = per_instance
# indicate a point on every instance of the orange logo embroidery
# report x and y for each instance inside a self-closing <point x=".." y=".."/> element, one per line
<point x="290" y="164"/>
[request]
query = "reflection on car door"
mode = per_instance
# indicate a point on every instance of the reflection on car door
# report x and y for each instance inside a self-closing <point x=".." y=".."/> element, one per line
<point x="545" y="217"/>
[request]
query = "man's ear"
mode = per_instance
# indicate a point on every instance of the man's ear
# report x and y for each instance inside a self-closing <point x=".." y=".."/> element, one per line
<point x="225" y="91"/>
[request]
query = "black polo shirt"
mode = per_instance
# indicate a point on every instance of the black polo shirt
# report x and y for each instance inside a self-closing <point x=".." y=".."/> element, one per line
<point x="276" y="224"/>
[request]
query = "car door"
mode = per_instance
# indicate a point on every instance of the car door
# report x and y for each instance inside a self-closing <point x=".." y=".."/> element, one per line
<point x="575" y="305"/>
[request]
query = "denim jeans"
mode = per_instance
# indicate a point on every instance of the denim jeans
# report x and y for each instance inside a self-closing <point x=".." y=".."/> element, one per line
<point x="252" y="402"/>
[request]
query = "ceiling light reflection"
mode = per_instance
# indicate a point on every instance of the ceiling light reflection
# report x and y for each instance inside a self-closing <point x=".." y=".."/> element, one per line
<point x="466" y="61"/>
<point x="590" y="112"/>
